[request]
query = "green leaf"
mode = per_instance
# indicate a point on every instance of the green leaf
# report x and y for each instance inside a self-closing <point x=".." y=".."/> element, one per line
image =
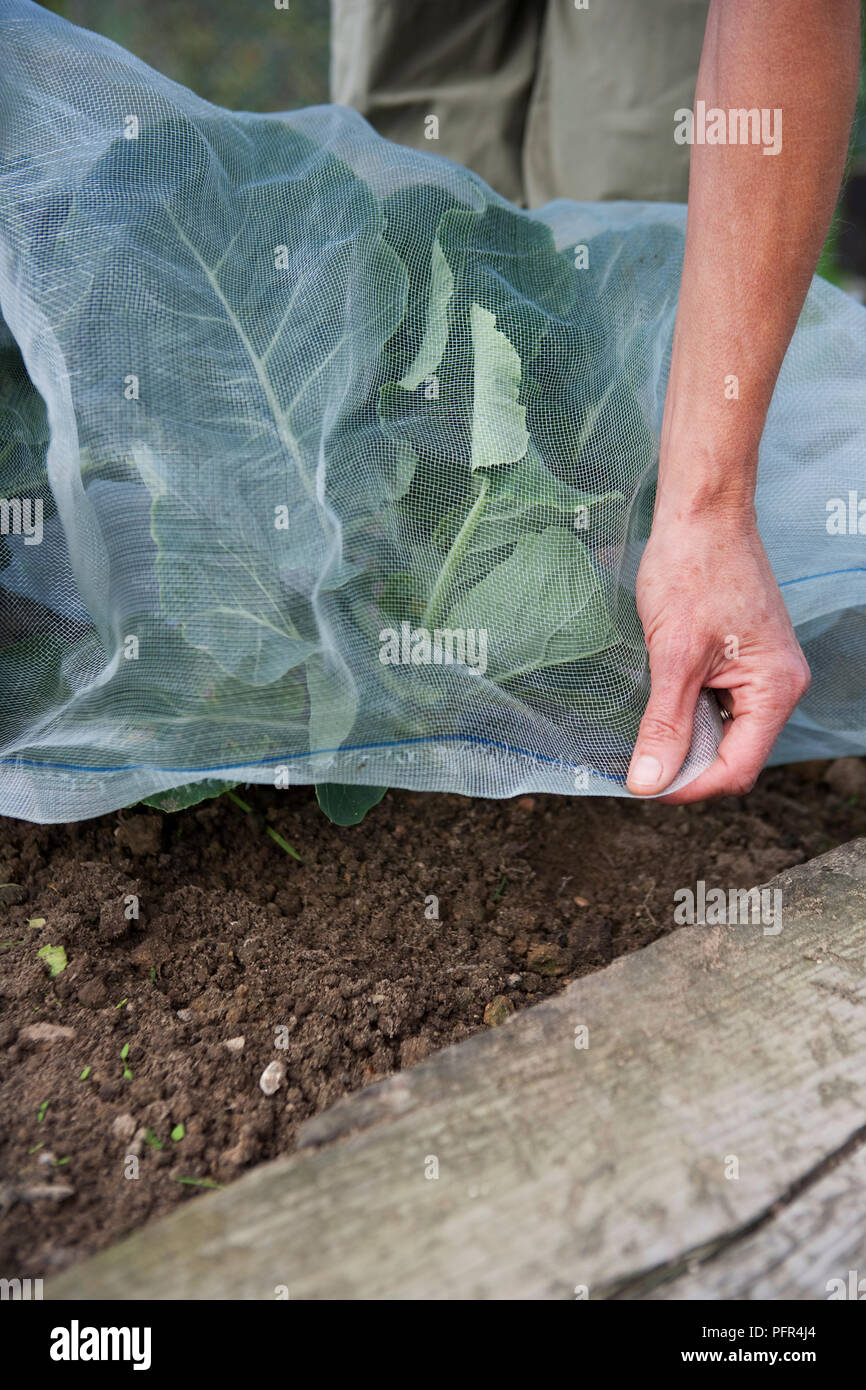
<point x="333" y="702"/>
<point x="268" y="346"/>
<point x="345" y="805"/>
<point x="413" y="215"/>
<point x="177" y="1133"/>
<point x="526" y="497"/>
<point x="55" y="959"/>
<point x="499" y="437"/>
<point x="509" y="263"/>
<point x="436" y="333"/>
<point x="283" y="843"/>
<point x="179" y="798"/>
<point x="239" y="801"/>
<point x="401" y="596"/>
<point x="542" y="606"/>
<point x="499" y="433"/>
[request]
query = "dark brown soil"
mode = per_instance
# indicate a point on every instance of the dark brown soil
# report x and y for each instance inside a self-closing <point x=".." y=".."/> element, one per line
<point x="340" y="959"/>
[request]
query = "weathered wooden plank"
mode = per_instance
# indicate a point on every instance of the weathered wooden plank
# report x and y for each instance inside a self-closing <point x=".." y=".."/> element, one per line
<point x="559" y="1166"/>
<point x="813" y="1248"/>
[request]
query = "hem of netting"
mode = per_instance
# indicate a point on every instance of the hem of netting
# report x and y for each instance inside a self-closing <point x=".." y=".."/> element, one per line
<point x="434" y="763"/>
<point x="277" y="759"/>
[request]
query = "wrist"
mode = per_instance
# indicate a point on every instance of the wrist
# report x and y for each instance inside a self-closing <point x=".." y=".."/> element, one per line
<point x="708" y="459"/>
<point x="696" y="498"/>
<point x="707" y="474"/>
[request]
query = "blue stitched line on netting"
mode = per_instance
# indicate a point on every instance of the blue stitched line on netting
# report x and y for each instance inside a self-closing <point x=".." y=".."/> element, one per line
<point x="825" y="574"/>
<point x="319" y="752"/>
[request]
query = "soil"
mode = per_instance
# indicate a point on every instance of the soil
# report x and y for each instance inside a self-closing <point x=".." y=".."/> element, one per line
<point x="330" y="973"/>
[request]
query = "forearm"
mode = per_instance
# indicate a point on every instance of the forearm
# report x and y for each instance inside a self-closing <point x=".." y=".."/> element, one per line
<point x="756" y="224"/>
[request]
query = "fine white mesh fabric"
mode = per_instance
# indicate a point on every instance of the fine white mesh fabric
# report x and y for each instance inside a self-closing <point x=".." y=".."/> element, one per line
<point x="290" y="416"/>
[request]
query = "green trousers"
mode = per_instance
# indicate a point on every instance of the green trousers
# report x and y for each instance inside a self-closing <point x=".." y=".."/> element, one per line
<point x="543" y="98"/>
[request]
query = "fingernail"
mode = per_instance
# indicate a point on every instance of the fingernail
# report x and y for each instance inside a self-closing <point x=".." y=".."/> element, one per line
<point x="646" y="772"/>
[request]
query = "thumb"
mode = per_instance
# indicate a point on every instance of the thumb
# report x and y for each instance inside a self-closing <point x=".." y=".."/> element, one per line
<point x="665" y="732"/>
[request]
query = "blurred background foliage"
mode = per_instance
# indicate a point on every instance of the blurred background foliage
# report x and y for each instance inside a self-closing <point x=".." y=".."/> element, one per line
<point x="248" y="55"/>
<point x="243" y="54"/>
<point x="843" y="259"/>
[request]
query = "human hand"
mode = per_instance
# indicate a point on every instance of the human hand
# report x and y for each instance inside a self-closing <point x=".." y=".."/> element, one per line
<point x="713" y="617"/>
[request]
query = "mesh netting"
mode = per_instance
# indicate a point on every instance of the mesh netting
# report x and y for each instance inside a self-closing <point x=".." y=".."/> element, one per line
<point x="320" y="462"/>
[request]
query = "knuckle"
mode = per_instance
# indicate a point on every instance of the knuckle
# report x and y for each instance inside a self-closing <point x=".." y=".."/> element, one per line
<point x="796" y="679"/>
<point x="794" y="665"/>
<point x="804" y="679"/>
<point x="784" y="682"/>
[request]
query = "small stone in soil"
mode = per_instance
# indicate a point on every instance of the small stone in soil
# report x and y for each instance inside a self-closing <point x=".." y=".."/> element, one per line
<point x="498" y="1010"/>
<point x="546" y="958"/>
<point x="48" y="1033"/>
<point x="51" y="1192"/>
<point x="847" y="776"/>
<point x="123" y="1128"/>
<point x="136" y="1147"/>
<point x="271" y="1078"/>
